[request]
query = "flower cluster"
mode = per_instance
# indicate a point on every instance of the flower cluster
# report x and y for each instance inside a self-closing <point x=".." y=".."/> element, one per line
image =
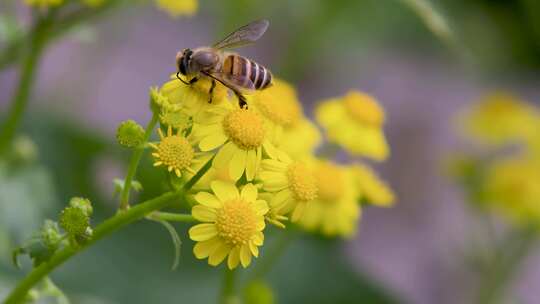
<point x="264" y="169"/>
<point x="506" y="179"/>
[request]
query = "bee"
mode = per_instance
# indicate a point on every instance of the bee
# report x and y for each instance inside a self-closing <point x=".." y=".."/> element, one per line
<point x="239" y="74"/>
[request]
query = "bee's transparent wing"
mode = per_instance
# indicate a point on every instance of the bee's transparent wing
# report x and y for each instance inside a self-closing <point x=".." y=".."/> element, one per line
<point x="245" y="35"/>
<point x="240" y="83"/>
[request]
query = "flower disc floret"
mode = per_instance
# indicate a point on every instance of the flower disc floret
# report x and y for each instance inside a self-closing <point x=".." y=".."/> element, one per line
<point x="364" y="108"/>
<point x="236" y="222"/>
<point x="174" y="152"/>
<point x="244" y="128"/>
<point x="302" y="182"/>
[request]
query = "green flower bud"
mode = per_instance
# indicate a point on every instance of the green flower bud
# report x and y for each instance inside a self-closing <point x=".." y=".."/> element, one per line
<point x="258" y="292"/>
<point x="83" y="203"/>
<point x="74" y="221"/>
<point x="130" y="134"/>
<point x="50" y="234"/>
<point x="172" y="115"/>
<point x="25" y="149"/>
<point x="157" y="100"/>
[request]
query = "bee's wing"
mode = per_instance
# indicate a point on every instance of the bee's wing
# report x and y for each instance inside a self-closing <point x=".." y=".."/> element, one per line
<point x="240" y="83"/>
<point x="245" y="35"/>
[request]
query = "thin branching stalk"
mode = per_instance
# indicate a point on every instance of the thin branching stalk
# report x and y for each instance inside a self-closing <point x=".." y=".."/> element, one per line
<point x="134" y="162"/>
<point x="26" y="80"/>
<point x="228" y="288"/>
<point x="111" y="225"/>
<point x="171" y="217"/>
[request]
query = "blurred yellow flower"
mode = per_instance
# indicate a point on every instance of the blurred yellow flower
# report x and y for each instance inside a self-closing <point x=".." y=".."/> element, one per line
<point x="43" y="3"/>
<point x="336" y="210"/>
<point x="499" y="118"/>
<point x="177" y="8"/>
<point x="233" y="224"/>
<point x="374" y="190"/>
<point x="513" y="187"/>
<point x="292" y="185"/>
<point x="194" y="98"/>
<point x="240" y="136"/>
<point x="175" y="152"/>
<point x="355" y="122"/>
<point x="305" y="130"/>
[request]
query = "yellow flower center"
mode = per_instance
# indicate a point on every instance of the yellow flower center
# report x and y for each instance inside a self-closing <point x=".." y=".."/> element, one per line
<point x="279" y="104"/>
<point x="329" y="182"/>
<point x="364" y="109"/>
<point x="236" y="222"/>
<point x="175" y="151"/>
<point x="244" y="128"/>
<point x="302" y="182"/>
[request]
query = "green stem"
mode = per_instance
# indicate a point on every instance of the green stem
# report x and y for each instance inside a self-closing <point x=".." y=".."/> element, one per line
<point x="27" y="78"/>
<point x="227" y="291"/>
<point x="199" y="174"/>
<point x="171" y="217"/>
<point x="134" y="162"/>
<point x="106" y="228"/>
<point x="505" y="265"/>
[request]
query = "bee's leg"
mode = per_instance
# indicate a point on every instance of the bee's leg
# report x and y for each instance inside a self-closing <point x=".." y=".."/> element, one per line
<point x="211" y="91"/>
<point x="241" y="100"/>
<point x="193" y="80"/>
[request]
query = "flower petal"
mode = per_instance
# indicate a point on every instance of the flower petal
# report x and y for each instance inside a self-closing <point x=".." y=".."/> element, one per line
<point x="202" y="250"/>
<point x="254" y="249"/>
<point x="245" y="256"/>
<point x="212" y="141"/>
<point x="251" y="165"/>
<point x="224" y="155"/>
<point x="261" y="207"/>
<point x="204" y="213"/>
<point x="249" y="193"/>
<point x="298" y="212"/>
<point x="238" y="164"/>
<point x="207" y="199"/>
<point x="234" y="258"/>
<point x="258" y="238"/>
<point x="225" y="191"/>
<point x="219" y="254"/>
<point x="260" y="225"/>
<point x="202" y="232"/>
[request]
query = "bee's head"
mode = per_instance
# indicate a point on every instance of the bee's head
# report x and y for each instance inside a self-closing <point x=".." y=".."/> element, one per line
<point x="182" y="61"/>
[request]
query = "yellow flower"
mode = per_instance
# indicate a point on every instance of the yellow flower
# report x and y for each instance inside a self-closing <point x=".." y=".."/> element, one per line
<point x="43" y="3"/>
<point x="292" y="184"/>
<point x="355" y="122"/>
<point x="176" y="153"/>
<point x="233" y="224"/>
<point x="373" y="189"/>
<point x="240" y="136"/>
<point x="194" y="98"/>
<point x="308" y="133"/>
<point x="177" y="8"/>
<point x="336" y="210"/>
<point x="499" y="118"/>
<point x="174" y="116"/>
<point x="284" y="119"/>
<point x="513" y="187"/>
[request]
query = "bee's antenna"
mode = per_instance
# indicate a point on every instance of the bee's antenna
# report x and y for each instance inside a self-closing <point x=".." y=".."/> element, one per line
<point x="182" y="80"/>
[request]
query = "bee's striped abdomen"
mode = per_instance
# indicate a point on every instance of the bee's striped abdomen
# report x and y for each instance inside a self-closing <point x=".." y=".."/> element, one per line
<point x="239" y="66"/>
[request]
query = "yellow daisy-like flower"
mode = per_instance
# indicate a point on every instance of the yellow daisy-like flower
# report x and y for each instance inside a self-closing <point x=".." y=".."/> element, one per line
<point x="43" y="3"/>
<point x="299" y="149"/>
<point x="513" y="187"/>
<point x="177" y="8"/>
<point x="374" y="190"/>
<point x="292" y="184"/>
<point x="233" y="224"/>
<point x="176" y="153"/>
<point x="194" y="98"/>
<point x="499" y="118"/>
<point x="240" y="136"/>
<point x="336" y="210"/>
<point x="355" y="122"/>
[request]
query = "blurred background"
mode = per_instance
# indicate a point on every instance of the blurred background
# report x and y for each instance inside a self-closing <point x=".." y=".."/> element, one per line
<point x="423" y="61"/>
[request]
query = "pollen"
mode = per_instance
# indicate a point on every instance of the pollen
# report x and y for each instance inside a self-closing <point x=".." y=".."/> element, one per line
<point x="364" y="109"/>
<point x="244" y="128"/>
<point x="236" y="222"/>
<point x="173" y="152"/>
<point x="329" y="182"/>
<point x="301" y="182"/>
